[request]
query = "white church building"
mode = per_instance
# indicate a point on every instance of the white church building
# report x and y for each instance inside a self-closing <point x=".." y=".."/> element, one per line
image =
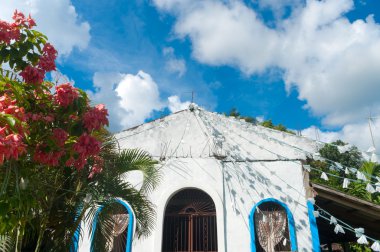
<point x="227" y="185"/>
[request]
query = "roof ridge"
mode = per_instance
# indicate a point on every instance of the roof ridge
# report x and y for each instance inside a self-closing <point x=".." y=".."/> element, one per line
<point x="151" y="121"/>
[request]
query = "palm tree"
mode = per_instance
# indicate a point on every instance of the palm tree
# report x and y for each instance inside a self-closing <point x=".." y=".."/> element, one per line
<point x="114" y="183"/>
<point x="370" y="170"/>
<point x="76" y="198"/>
<point x="103" y="190"/>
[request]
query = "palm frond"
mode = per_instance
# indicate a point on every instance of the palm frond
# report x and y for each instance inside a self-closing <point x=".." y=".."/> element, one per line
<point x="135" y="159"/>
<point x="101" y="230"/>
<point x="370" y="169"/>
<point x="6" y="243"/>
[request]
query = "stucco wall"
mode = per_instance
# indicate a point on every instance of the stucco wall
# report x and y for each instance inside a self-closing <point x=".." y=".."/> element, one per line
<point x="244" y="185"/>
<point x="235" y="188"/>
<point x="188" y="140"/>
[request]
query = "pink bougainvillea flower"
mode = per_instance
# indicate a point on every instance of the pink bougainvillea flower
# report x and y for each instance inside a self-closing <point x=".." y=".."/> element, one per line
<point x="60" y="136"/>
<point x="70" y="162"/>
<point x="4" y="28"/>
<point x="17" y="112"/>
<point x="97" y="167"/>
<point x="49" y="50"/>
<point x="95" y="117"/>
<point x="8" y="32"/>
<point x="2" y="144"/>
<point x="5" y="101"/>
<point x="65" y="94"/>
<point x="87" y="145"/>
<point x="3" y="131"/>
<point x="32" y="117"/>
<point x="46" y="63"/>
<point x="80" y="163"/>
<point x="33" y="75"/>
<point x="11" y="146"/>
<point x="14" y="32"/>
<point x="31" y="22"/>
<point x="47" y="60"/>
<point x="19" y="18"/>
<point x="49" y="118"/>
<point x="39" y="117"/>
<point x="7" y="106"/>
<point x="48" y="158"/>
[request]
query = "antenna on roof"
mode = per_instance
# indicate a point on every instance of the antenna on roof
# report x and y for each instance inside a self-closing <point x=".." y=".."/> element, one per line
<point x="316" y="134"/>
<point x="192" y="95"/>
<point x="370" y="119"/>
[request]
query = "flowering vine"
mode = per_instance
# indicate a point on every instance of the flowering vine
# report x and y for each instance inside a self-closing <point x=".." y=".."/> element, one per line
<point x="52" y="154"/>
<point x="53" y="126"/>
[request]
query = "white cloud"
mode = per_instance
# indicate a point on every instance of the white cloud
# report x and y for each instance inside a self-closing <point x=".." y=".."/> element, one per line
<point x="228" y="35"/>
<point x="139" y="97"/>
<point x="279" y="8"/>
<point x="357" y="134"/>
<point x="172" y="5"/>
<point x="174" y="64"/>
<point x="330" y="60"/>
<point x="130" y="99"/>
<point x="57" y="19"/>
<point x="175" y="104"/>
<point x="105" y="84"/>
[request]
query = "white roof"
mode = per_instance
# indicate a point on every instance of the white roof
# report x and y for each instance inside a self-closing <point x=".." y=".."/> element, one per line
<point x="198" y="133"/>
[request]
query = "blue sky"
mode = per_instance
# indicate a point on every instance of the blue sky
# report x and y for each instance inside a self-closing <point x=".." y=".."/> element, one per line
<point x="302" y="64"/>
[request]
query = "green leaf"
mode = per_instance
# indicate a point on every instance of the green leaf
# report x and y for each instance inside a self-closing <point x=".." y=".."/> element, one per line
<point x="14" y="52"/>
<point x="6" y="243"/>
<point x="39" y="34"/>
<point x="9" y="120"/>
<point x="34" y="58"/>
<point x="4" y="53"/>
<point x="29" y="56"/>
<point x="22" y="37"/>
<point x="12" y="63"/>
<point x="24" y="48"/>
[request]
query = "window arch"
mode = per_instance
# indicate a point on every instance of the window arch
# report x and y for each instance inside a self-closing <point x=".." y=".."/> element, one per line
<point x="272" y="227"/>
<point x="123" y="228"/>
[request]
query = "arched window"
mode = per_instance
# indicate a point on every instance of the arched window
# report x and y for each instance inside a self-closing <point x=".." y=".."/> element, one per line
<point x="122" y="227"/>
<point x="272" y="227"/>
<point x="190" y="223"/>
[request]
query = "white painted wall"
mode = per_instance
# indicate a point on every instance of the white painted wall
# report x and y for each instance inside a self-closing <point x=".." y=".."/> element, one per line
<point x="178" y="174"/>
<point x="244" y="186"/>
<point x="187" y="140"/>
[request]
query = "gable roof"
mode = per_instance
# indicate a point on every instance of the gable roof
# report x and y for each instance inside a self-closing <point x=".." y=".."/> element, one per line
<point x="198" y="133"/>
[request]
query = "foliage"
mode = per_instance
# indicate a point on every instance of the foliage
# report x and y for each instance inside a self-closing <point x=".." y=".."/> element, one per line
<point x="112" y="182"/>
<point x="57" y="161"/>
<point x="235" y="113"/>
<point x="267" y="123"/>
<point x="350" y="158"/>
<point x="354" y="247"/>
<point x="280" y="127"/>
<point x="6" y="243"/>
